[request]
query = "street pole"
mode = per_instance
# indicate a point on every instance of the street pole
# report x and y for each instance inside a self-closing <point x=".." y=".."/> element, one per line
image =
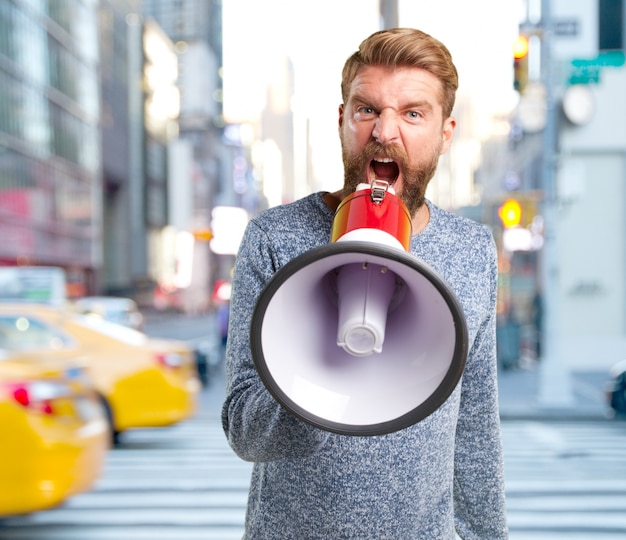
<point x="555" y="385"/>
<point x="388" y="14"/>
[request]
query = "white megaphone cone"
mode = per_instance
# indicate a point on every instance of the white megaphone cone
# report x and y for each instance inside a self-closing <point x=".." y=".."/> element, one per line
<point x="359" y="337"/>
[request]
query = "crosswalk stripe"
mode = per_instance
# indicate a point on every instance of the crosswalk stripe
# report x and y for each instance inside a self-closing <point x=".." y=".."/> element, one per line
<point x="565" y="480"/>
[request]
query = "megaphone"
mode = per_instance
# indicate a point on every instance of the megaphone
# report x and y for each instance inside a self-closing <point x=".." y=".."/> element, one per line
<point x="359" y="337"/>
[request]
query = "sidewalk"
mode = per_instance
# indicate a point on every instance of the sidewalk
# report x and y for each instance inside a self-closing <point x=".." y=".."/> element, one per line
<point x="521" y="396"/>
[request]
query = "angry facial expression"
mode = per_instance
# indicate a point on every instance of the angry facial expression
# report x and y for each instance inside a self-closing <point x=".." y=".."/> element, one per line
<point x="392" y="128"/>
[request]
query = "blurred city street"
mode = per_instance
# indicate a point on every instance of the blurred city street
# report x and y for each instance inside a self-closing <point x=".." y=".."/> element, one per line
<point x="519" y="395"/>
<point x="564" y="469"/>
<point x="519" y="386"/>
<point x="175" y="483"/>
<point x="139" y="137"/>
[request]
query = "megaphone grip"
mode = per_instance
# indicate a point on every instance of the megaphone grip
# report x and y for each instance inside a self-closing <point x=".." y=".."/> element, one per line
<point x="364" y="293"/>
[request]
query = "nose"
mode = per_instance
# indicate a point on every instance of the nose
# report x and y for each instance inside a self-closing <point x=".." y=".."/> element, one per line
<point x="386" y="128"/>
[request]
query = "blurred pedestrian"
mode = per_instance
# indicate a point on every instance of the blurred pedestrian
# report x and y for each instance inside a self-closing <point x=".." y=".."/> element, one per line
<point x="537" y="321"/>
<point x="223" y="314"/>
<point x="445" y="473"/>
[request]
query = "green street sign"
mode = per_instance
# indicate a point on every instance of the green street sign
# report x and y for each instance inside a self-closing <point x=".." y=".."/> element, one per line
<point x="584" y="75"/>
<point x="587" y="70"/>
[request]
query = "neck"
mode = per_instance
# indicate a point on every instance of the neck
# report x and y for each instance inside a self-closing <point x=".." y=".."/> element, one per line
<point x="332" y="200"/>
<point x="420" y="219"/>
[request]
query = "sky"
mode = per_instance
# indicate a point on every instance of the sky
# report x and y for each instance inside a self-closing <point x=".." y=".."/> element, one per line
<point x="260" y="34"/>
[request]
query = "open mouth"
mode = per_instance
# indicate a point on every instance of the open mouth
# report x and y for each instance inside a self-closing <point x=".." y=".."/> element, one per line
<point x="383" y="169"/>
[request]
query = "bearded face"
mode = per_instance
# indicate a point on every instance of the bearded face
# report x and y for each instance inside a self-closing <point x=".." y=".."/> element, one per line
<point x="390" y="162"/>
<point x="392" y="128"/>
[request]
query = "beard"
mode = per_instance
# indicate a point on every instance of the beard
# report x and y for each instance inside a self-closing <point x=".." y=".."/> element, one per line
<point x="415" y="176"/>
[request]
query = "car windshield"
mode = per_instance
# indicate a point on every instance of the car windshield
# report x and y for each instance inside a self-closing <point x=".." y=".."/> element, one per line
<point x="120" y="310"/>
<point x="21" y="332"/>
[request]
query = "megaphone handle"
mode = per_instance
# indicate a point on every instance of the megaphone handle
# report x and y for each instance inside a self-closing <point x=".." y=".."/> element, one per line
<point x="364" y="293"/>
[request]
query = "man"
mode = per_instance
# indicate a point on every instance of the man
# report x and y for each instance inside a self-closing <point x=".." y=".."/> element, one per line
<point x="445" y="473"/>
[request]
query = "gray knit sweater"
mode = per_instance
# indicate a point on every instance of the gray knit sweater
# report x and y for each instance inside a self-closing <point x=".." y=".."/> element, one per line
<point x="424" y="482"/>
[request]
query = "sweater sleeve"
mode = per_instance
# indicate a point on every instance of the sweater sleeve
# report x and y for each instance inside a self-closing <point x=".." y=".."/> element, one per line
<point x="479" y="470"/>
<point x="256" y="426"/>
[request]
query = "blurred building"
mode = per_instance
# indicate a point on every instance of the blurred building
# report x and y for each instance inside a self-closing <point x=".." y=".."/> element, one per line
<point x="140" y="105"/>
<point x="277" y="133"/>
<point x="590" y="180"/>
<point x="114" y="149"/>
<point x="50" y="162"/>
<point x="209" y="167"/>
<point x="573" y="266"/>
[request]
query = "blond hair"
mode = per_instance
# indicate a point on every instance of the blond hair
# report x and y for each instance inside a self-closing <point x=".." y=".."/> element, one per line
<point x="405" y="47"/>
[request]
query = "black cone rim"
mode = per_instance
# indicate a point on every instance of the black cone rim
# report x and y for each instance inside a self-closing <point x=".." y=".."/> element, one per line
<point x="419" y="413"/>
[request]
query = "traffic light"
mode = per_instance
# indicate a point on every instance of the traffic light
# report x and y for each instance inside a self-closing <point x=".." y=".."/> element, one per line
<point x="520" y="63"/>
<point x="510" y="213"/>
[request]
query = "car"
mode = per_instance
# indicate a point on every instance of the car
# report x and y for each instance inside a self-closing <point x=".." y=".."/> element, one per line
<point x="54" y="437"/>
<point x="616" y="389"/>
<point x="120" y="310"/>
<point x="141" y="381"/>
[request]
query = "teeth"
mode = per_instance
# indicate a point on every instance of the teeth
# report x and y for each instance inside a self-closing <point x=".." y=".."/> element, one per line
<point x="383" y="160"/>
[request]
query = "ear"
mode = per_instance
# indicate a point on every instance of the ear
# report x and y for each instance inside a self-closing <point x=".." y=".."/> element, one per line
<point x="341" y="109"/>
<point x="447" y="133"/>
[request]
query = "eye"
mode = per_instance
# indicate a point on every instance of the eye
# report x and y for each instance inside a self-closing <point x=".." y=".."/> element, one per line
<point x="366" y="110"/>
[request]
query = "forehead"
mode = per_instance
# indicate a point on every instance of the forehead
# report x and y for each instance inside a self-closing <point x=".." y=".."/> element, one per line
<point x="384" y="86"/>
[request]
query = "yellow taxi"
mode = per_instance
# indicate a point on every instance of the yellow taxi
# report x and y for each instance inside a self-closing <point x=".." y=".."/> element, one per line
<point x="142" y="381"/>
<point x="54" y="436"/>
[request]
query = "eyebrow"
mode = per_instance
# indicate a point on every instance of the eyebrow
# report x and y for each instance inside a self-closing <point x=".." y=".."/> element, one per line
<point x="421" y="104"/>
<point x="418" y="104"/>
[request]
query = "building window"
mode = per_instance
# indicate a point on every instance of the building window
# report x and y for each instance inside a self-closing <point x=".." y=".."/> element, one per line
<point x="611" y="25"/>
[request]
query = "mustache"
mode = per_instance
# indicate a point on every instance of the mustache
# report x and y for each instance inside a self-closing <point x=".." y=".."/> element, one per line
<point x="375" y="149"/>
